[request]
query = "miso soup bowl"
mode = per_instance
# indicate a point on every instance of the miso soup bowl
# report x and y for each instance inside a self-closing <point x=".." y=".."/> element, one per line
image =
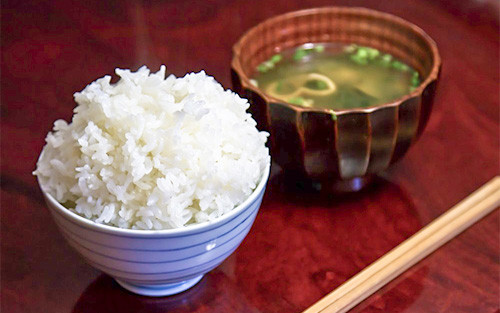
<point x="160" y="262"/>
<point x="340" y="149"/>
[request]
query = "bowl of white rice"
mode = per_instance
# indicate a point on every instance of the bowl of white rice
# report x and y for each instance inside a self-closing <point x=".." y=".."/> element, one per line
<point x="156" y="180"/>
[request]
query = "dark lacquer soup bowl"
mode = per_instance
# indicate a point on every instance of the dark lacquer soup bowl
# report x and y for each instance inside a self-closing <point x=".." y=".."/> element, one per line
<point x="339" y="149"/>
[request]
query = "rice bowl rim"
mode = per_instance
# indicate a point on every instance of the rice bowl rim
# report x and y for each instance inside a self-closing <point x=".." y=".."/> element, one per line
<point x="185" y="230"/>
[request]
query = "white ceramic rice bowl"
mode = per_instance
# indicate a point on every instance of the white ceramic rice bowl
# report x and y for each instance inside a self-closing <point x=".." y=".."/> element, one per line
<point x="158" y="262"/>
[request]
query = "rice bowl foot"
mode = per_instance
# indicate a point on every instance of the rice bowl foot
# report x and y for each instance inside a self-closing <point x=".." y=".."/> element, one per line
<point x="160" y="290"/>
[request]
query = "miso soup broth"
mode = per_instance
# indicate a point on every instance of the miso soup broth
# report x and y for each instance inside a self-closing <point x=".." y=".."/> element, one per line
<point x="335" y="76"/>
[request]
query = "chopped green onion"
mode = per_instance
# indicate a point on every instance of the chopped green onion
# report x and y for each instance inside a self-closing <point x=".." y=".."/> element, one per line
<point x="321" y="85"/>
<point x="300" y="54"/>
<point x="269" y="64"/>
<point x="350" y="48"/>
<point x="276" y="58"/>
<point x="316" y="84"/>
<point x="333" y="115"/>
<point x="400" y="66"/>
<point x="387" y="57"/>
<point x="319" y="48"/>
<point x="385" y="60"/>
<point x="372" y="53"/>
<point x="262" y="68"/>
<point x="359" y="60"/>
<point x="362" y="52"/>
<point x="296" y="100"/>
<point x="415" y="79"/>
<point x="265" y="66"/>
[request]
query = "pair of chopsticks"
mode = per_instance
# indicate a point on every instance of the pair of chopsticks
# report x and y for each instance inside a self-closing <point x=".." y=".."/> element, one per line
<point x="477" y="205"/>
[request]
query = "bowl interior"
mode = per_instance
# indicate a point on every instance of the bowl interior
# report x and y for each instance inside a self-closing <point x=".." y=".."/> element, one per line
<point x="365" y="27"/>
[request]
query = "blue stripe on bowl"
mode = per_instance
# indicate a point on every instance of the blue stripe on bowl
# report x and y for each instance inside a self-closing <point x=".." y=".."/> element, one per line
<point x="172" y="275"/>
<point x="156" y="280"/>
<point x="164" y="267"/>
<point x="68" y="230"/>
<point x="242" y="227"/>
<point x="156" y="256"/>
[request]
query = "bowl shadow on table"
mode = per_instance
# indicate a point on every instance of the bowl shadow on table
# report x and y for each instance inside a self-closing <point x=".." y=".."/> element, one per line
<point x="303" y="191"/>
<point x="215" y="293"/>
<point x="105" y="295"/>
<point x="331" y="237"/>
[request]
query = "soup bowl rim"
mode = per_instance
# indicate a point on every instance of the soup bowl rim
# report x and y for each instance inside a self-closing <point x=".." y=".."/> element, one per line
<point x="247" y="84"/>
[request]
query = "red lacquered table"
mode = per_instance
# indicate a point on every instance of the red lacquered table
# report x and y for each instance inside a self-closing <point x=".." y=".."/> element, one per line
<point x="302" y="245"/>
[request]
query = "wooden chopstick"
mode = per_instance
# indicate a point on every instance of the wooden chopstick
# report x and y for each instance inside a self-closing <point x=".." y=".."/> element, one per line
<point x="477" y="205"/>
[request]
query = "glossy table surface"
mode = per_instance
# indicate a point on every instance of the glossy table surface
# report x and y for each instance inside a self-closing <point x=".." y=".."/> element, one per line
<point x="302" y="244"/>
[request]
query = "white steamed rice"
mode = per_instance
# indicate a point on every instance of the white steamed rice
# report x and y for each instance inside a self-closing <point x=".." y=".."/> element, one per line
<point x="151" y="152"/>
